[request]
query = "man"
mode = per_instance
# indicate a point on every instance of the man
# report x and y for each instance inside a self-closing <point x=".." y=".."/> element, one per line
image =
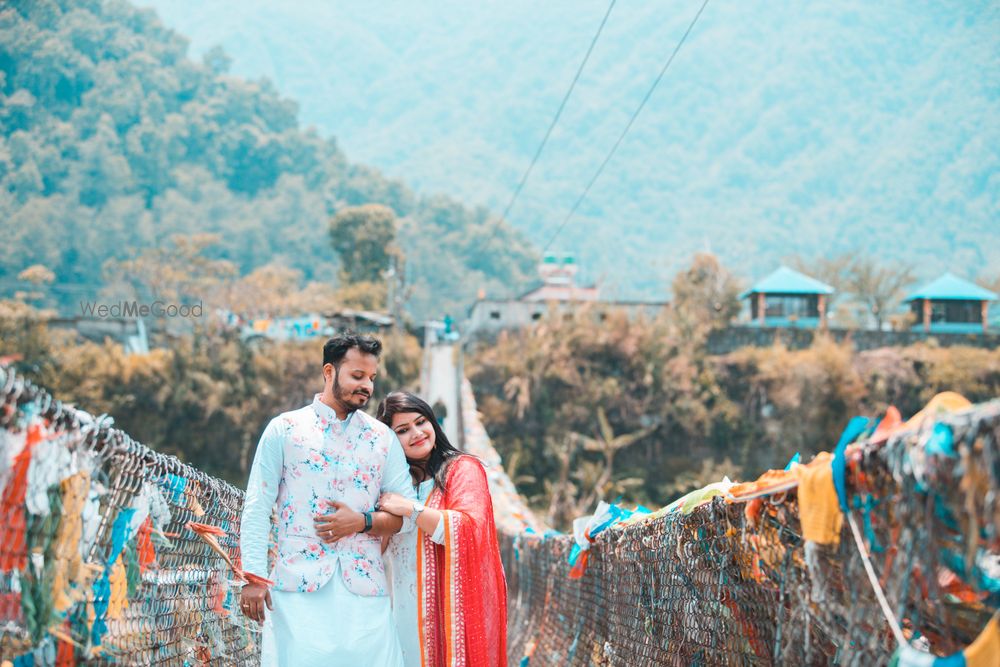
<point x="325" y="466"/>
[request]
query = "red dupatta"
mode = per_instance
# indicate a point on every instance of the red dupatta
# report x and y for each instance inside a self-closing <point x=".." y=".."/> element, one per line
<point x="461" y="588"/>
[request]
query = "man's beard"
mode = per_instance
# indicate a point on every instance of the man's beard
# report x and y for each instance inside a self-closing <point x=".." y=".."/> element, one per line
<point x="350" y="400"/>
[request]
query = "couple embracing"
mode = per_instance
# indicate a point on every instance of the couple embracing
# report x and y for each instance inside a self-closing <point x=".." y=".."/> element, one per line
<point x="348" y="493"/>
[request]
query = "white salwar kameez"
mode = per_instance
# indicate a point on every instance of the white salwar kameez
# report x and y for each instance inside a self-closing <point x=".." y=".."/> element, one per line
<point x="401" y="566"/>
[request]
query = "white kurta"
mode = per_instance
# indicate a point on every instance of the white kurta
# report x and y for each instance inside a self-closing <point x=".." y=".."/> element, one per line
<point x="401" y="563"/>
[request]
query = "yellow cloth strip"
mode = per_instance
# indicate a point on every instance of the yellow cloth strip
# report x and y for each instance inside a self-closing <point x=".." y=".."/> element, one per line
<point x="819" y="511"/>
<point x="985" y="651"/>
<point x="119" y="590"/>
<point x="67" y="570"/>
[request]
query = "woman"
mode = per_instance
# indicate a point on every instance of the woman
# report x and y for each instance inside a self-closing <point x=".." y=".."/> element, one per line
<point x="448" y="587"/>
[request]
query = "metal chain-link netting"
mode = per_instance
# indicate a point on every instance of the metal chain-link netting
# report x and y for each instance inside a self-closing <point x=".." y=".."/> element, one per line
<point x="107" y="548"/>
<point x="736" y="583"/>
<point x="112" y="553"/>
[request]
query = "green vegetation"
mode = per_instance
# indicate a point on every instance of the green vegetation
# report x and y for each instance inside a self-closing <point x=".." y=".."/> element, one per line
<point x="810" y="129"/>
<point x="112" y="142"/>
<point x="867" y="290"/>
<point x="582" y="409"/>
<point x="205" y="399"/>
<point x="128" y="169"/>
<point x="203" y="393"/>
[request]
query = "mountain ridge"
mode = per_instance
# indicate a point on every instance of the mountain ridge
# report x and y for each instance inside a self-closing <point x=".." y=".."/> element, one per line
<point x="780" y="130"/>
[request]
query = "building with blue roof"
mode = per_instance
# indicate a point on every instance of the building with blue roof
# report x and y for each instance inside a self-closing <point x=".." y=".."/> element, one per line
<point x="950" y="304"/>
<point x="788" y="298"/>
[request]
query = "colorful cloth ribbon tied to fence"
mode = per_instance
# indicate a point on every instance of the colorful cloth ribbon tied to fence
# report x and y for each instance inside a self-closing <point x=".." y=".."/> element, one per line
<point x="885" y="548"/>
<point x="110" y="552"/>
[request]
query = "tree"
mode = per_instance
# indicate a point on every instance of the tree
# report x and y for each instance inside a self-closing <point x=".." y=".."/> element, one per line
<point x="274" y="290"/>
<point x="112" y="141"/>
<point x="834" y="271"/>
<point x="364" y="295"/>
<point x="557" y="398"/>
<point x="39" y="276"/>
<point x="25" y="337"/>
<point x="991" y="283"/>
<point x="217" y="60"/>
<point x="878" y="286"/>
<point x="706" y="295"/>
<point x="866" y="286"/>
<point x="607" y="444"/>
<point x="179" y="272"/>
<point x="364" y="237"/>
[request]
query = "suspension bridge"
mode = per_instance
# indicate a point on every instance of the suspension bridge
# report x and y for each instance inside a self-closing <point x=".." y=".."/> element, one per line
<point x="111" y="553"/>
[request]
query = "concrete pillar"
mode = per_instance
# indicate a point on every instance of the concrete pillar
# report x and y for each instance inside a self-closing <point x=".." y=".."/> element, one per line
<point x="822" y="311"/>
<point x="927" y="315"/>
<point x="986" y="313"/>
<point x="761" y="307"/>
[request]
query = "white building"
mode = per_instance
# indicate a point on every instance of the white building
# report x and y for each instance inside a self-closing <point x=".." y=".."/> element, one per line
<point x="558" y="291"/>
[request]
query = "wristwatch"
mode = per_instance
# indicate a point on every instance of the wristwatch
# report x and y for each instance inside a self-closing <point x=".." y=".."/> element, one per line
<point x="418" y="507"/>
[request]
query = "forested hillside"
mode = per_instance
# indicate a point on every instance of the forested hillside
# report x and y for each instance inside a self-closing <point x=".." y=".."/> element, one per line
<point x="782" y="128"/>
<point x="112" y="141"/>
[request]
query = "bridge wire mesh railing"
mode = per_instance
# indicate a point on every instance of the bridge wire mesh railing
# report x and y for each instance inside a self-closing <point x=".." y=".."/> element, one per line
<point x="101" y="555"/>
<point x="101" y="561"/>
<point x="737" y="584"/>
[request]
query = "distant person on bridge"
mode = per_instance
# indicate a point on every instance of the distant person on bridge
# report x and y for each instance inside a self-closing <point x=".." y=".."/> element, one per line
<point x="449" y="592"/>
<point x="323" y="467"/>
<point x="440" y="411"/>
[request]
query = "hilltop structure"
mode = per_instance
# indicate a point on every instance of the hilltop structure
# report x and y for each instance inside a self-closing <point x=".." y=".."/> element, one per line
<point x="558" y="290"/>
<point x="949" y="304"/>
<point x="788" y="298"/>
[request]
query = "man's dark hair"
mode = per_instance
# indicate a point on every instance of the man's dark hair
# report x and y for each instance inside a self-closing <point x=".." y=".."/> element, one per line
<point x="335" y="348"/>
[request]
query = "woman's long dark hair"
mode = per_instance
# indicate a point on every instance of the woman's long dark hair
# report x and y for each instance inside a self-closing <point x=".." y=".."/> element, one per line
<point x="404" y="401"/>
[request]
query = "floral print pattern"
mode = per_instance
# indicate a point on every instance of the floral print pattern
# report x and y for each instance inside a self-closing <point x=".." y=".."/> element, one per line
<point x="324" y="460"/>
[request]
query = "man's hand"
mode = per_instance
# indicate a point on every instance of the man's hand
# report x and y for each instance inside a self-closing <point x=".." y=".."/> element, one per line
<point x="253" y="597"/>
<point x="341" y="523"/>
<point x="393" y="503"/>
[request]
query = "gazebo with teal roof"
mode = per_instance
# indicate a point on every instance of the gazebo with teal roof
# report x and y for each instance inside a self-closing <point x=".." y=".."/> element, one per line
<point x="950" y="304"/>
<point x="788" y="298"/>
